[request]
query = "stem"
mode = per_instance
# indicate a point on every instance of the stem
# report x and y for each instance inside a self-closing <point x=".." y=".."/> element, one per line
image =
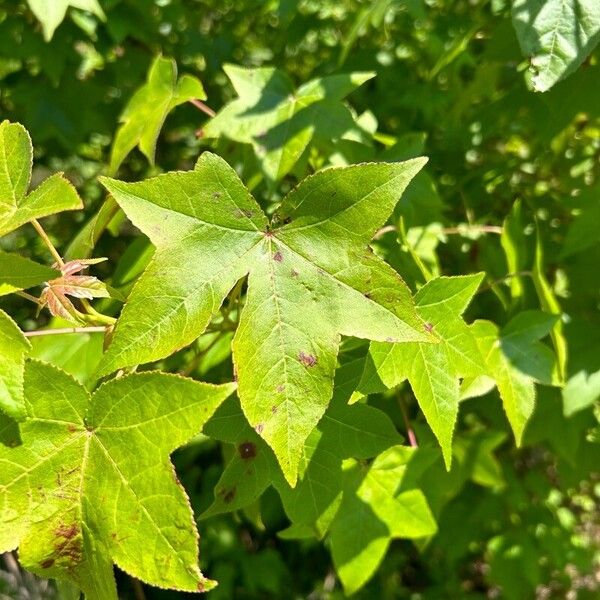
<point x="412" y="438"/>
<point x="100" y="329"/>
<point x="201" y="106"/>
<point x="27" y="297"/>
<point x="485" y="288"/>
<point x="138" y="589"/>
<point x="49" y="244"/>
<point x="95" y="315"/>
<point x="483" y="228"/>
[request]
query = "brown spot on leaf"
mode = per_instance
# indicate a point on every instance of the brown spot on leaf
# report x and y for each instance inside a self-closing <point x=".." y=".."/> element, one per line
<point x="259" y="428"/>
<point x="428" y="327"/>
<point x="273" y="409"/>
<point x="278" y="257"/>
<point x="229" y="495"/>
<point x="280" y="388"/>
<point x="216" y="195"/>
<point x="47" y="563"/>
<point x="71" y="428"/>
<point x="294" y="273"/>
<point x="247" y="450"/>
<point x="200" y="587"/>
<point x="67" y="531"/>
<point x="308" y="360"/>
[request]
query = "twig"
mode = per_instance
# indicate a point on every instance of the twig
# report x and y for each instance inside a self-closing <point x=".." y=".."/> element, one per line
<point x="12" y="565"/>
<point x="27" y="297"/>
<point x="485" y="288"/>
<point x="49" y="244"/>
<point x="447" y="230"/>
<point x="65" y="330"/>
<point x="138" y="589"/>
<point x="412" y="438"/>
<point x="483" y="228"/>
<point x="201" y="106"/>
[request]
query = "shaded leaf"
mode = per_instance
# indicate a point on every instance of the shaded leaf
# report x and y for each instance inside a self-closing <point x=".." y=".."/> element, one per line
<point x="147" y="110"/>
<point x="51" y="13"/>
<point x="279" y="120"/>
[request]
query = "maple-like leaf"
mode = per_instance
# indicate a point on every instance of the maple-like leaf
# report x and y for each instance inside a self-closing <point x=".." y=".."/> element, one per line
<point x="310" y="281"/>
<point x="91" y="482"/>
<point x="280" y="120"/>
<point x="19" y="273"/>
<point x="17" y="207"/>
<point x="434" y="371"/>
<point x="147" y="110"/>
<point x="14" y="347"/>
<point x="56" y="293"/>
<point x="515" y="360"/>
<point x="379" y="504"/>
<point x="51" y="13"/>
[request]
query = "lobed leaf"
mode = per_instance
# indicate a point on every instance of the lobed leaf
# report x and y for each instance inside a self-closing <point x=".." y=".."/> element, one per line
<point x="75" y="498"/>
<point x="310" y="281"/>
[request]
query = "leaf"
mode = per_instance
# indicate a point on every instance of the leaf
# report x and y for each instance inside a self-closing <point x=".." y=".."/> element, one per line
<point x="556" y="35"/>
<point x="583" y="231"/>
<point x="14" y="347"/>
<point x="309" y="281"/>
<point x="358" y="431"/>
<point x="515" y="359"/>
<point x="376" y="508"/>
<point x="56" y="292"/>
<point x="20" y="273"/>
<point x="433" y="370"/>
<point x="279" y="120"/>
<point x="51" y="13"/>
<point x="147" y="110"/>
<point x="72" y="497"/>
<point x="53" y="195"/>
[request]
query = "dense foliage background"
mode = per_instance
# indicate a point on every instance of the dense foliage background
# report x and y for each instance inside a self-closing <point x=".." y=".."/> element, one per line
<point x="511" y="189"/>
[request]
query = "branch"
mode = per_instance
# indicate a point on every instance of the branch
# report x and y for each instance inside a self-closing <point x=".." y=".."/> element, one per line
<point x="201" y="106"/>
<point x="65" y="330"/>
<point x="49" y="244"/>
<point x="412" y="438"/>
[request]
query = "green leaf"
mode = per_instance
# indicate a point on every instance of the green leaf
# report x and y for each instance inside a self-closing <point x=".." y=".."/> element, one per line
<point x="279" y="120"/>
<point x="17" y="207"/>
<point x="516" y="360"/>
<point x="14" y="347"/>
<point x="375" y="509"/>
<point x="433" y="370"/>
<point x="556" y="35"/>
<point x="19" y="273"/>
<point x="310" y="281"/>
<point x="147" y="110"/>
<point x="72" y="497"/>
<point x="51" y="13"/>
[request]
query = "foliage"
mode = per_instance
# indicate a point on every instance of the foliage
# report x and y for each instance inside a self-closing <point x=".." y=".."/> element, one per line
<point x="374" y="373"/>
